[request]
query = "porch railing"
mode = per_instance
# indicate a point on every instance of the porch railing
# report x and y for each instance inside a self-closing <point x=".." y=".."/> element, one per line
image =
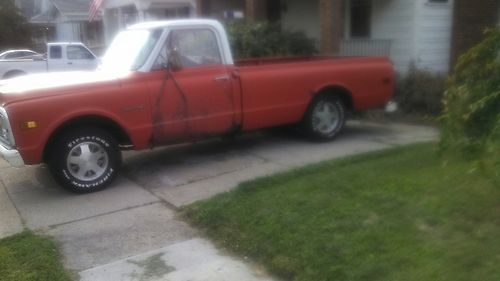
<point x="365" y="47"/>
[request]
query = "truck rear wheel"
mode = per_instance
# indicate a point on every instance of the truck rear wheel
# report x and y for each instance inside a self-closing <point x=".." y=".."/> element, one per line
<point x="325" y="118"/>
<point x="85" y="160"/>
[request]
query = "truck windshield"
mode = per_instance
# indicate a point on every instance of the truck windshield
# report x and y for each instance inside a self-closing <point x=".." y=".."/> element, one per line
<point x="130" y="50"/>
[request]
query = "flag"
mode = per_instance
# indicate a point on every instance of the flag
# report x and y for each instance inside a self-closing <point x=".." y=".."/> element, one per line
<point x="94" y="9"/>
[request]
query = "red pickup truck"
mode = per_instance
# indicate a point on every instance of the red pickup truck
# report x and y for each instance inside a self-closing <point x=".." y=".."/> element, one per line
<point x="170" y="82"/>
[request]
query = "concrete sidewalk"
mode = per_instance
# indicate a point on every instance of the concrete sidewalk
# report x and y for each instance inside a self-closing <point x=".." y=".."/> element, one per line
<point x="130" y="231"/>
<point x="195" y="259"/>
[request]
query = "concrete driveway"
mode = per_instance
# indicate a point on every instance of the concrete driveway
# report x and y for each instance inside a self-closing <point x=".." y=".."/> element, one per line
<point x="130" y="231"/>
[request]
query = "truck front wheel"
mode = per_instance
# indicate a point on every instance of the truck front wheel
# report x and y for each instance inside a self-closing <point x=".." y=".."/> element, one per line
<point x="13" y="73"/>
<point x="325" y="117"/>
<point x="85" y="160"/>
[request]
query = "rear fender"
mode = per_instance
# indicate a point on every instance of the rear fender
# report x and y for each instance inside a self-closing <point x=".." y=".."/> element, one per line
<point x="339" y="90"/>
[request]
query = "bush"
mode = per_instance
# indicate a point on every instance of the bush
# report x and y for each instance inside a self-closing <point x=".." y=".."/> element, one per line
<point x="420" y="92"/>
<point x="471" y="118"/>
<point x="267" y="40"/>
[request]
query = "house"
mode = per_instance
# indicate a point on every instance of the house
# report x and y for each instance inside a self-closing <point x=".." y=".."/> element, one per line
<point x="62" y="20"/>
<point x="118" y="14"/>
<point x="428" y="33"/>
<point x="470" y="19"/>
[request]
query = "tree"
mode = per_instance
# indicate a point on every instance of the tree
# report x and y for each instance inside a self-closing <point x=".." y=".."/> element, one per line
<point x="471" y="119"/>
<point x="15" y="31"/>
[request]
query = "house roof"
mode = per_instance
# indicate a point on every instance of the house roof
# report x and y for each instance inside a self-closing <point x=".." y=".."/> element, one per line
<point x="66" y="7"/>
<point x="44" y="17"/>
<point x="76" y="10"/>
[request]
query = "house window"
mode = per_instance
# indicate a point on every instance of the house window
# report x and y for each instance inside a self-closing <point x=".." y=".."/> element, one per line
<point x="360" y="18"/>
<point x="129" y="15"/>
<point x="181" y="12"/>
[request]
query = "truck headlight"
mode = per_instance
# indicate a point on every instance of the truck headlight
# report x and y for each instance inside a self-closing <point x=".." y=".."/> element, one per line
<point x="6" y="135"/>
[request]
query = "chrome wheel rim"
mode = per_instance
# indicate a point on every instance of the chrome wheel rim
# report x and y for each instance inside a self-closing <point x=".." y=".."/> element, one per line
<point x="326" y="117"/>
<point x="87" y="161"/>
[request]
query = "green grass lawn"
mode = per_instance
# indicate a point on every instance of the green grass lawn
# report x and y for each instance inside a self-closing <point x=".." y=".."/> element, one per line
<point x="401" y="214"/>
<point x="30" y="257"/>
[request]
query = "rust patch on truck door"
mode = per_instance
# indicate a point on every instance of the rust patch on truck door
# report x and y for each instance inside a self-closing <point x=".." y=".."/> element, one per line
<point x="170" y="113"/>
<point x="194" y="103"/>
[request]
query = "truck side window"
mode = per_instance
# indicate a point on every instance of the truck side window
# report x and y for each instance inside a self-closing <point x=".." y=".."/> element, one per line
<point x="78" y="53"/>
<point x="197" y="47"/>
<point x="55" y="52"/>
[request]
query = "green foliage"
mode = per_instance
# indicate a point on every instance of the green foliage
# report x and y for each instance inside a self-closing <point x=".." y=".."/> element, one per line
<point x="420" y="91"/>
<point x="267" y="40"/>
<point x="15" y="32"/>
<point x="398" y="214"/>
<point x="471" y="119"/>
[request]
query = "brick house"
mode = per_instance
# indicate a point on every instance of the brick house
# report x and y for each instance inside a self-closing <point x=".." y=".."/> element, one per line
<point x="470" y="19"/>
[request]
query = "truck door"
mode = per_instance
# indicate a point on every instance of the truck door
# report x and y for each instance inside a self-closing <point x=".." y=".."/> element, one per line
<point x="55" y="59"/>
<point x="80" y="58"/>
<point x="197" y="100"/>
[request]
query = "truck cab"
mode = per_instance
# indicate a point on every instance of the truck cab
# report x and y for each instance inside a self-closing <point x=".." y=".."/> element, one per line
<point x="60" y="56"/>
<point x="67" y="56"/>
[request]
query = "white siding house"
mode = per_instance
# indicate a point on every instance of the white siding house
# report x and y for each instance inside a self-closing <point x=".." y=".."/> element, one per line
<point x="394" y="20"/>
<point x="433" y="24"/>
<point x="118" y="14"/>
<point x="407" y="31"/>
<point x="68" y="21"/>
<point x="420" y="32"/>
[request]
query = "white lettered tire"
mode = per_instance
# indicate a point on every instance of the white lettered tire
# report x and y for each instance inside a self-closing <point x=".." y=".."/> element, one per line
<point x="85" y="160"/>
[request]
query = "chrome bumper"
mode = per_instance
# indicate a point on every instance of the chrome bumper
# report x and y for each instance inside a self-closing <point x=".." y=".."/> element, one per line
<point x="12" y="156"/>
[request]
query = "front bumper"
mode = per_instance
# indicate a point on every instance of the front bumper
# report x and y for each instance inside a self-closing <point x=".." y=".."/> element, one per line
<point x="12" y="156"/>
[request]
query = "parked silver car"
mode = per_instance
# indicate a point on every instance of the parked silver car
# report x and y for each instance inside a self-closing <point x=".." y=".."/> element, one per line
<point x="17" y="54"/>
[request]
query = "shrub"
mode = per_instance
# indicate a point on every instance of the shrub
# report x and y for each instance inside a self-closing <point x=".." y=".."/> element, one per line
<point x="267" y="40"/>
<point x="471" y="118"/>
<point x="420" y="91"/>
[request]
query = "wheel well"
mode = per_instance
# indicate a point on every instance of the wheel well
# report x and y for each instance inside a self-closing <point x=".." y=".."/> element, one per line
<point x="12" y="73"/>
<point x="340" y="92"/>
<point x="88" y="121"/>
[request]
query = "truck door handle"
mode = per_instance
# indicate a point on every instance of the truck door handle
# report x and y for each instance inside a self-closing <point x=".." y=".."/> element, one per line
<point x="70" y="63"/>
<point x="221" y="78"/>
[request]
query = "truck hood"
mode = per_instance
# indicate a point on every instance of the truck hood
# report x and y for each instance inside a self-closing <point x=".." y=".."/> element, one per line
<point x="48" y="84"/>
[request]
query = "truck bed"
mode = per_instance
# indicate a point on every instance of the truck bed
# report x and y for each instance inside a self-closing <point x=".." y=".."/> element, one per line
<point x="287" y="60"/>
<point x="280" y="89"/>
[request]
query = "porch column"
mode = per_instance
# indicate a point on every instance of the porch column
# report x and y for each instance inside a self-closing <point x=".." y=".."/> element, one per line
<point x="105" y="26"/>
<point x="202" y="7"/>
<point x="255" y="10"/>
<point x="330" y="16"/>
<point x="141" y="15"/>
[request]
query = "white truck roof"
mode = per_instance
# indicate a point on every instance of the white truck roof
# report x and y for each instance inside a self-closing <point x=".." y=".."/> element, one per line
<point x="64" y="43"/>
<point x="175" y="23"/>
<point x="192" y="23"/>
